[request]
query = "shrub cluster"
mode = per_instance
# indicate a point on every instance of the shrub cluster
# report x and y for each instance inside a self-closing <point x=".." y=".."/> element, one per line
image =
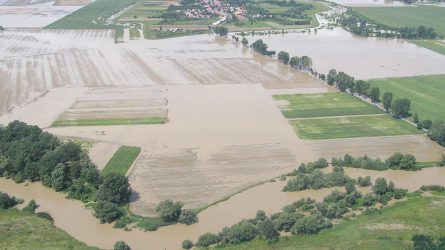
<point x="172" y="212"/>
<point x="7" y="201"/>
<point x="316" y="180"/>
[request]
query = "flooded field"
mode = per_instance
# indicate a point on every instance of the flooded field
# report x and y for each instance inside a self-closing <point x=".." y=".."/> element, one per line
<point x="35" y="14"/>
<point x="221" y="137"/>
<point x="419" y="145"/>
<point x="363" y="58"/>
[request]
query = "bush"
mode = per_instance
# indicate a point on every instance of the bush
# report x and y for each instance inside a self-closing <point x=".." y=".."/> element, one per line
<point x="285" y="221"/>
<point x="260" y="216"/>
<point x="238" y="233"/>
<point x="427" y="124"/>
<point x="267" y="230"/>
<point x="31" y="207"/>
<point x="7" y="201"/>
<point x="107" y="212"/>
<point x="311" y="224"/>
<point x="188" y="217"/>
<point x="364" y="181"/>
<point x="369" y="200"/>
<point x="187" y="244"/>
<point x="169" y="210"/>
<point x="46" y="216"/>
<point x="207" y="239"/>
<point x="408" y="162"/>
<point x="437" y="188"/>
<point x="400" y="193"/>
<point x="121" y="245"/>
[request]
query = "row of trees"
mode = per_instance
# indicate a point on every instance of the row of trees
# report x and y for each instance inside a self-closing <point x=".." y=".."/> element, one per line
<point x="28" y="153"/>
<point x="395" y="161"/>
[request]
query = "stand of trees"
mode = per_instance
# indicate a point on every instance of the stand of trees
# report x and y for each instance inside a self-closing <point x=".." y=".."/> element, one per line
<point x="172" y="212"/>
<point x="221" y="30"/>
<point x="260" y="47"/>
<point x="396" y="161"/>
<point x="28" y="153"/>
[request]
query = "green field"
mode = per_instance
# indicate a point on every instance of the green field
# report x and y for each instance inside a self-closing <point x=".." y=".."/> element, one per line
<point x="391" y="229"/>
<point x="352" y="126"/>
<point x="21" y="230"/>
<point x="425" y="92"/>
<point x="433" y="45"/>
<point x="429" y="16"/>
<point x="122" y="160"/>
<point x="326" y="104"/>
<point x="106" y="122"/>
<point x="92" y="16"/>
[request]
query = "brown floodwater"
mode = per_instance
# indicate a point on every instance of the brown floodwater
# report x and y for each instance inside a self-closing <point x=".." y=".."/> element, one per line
<point x="72" y="217"/>
<point x="361" y="57"/>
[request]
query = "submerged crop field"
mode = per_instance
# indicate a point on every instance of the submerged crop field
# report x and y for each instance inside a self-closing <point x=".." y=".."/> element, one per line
<point x="326" y="104"/>
<point x="425" y="92"/>
<point x="352" y="126"/>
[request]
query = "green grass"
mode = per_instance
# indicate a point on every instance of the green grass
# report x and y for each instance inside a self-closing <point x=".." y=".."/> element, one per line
<point x="350" y="127"/>
<point x="425" y="92"/>
<point x="433" y="45"/>
<point x="122" y="160"/>
<point x="106" y="122"/>
<point x="89" y="17"/>
<point x="326" y="104"/>
<point x="429" y="16"/>
<point x="21" y="230"/>
<point x="417" y="215"/>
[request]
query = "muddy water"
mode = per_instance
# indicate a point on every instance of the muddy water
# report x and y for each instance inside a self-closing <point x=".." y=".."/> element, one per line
<point x="73" y="218"/>
<point x="404" y="179"/>
<point x="361" y="57"/>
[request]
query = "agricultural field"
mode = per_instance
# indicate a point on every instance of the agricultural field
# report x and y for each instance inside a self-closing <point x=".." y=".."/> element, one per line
<point x="21" y="230"/>
<point x="325" y="104"/>
<point x="434" y="45"/>
<point x="391" y="229"/>
<point x="429" y="16"/>
<point x="116" y="106"/>
<point x="425" y="92"/>
<point x="351" y="126"/>
<point x="93" y="16"/>
<point x="122" y="160"/>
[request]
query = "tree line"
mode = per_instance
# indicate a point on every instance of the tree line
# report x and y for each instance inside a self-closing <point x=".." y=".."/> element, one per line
<point x="396" y="161"/>
<point x="363" y="26"/>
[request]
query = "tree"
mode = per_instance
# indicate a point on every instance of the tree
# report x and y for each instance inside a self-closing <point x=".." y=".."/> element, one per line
<point x="31" y="207"/>
<point x="362" y="88"/>
<point x="106" y="211"/>
<point x="238" y="233"/>
<point x="306" y="62"/>
<point x="285" y="221"/>
<point x="266" y="230"/>
<point x="427" y="124"/>
<point x="408" y="162"/>
<point x="260" y="47"/>
<point x="220" y="30"/>
<point x="416" y="118"/>
<point x="400" y="107"/>
<point x="344" y="81"/>
<point x="437" y="132"/>
<point x="188" y="217"/>
<point x="283" y="57"/>
<point x="294" y="61"/>
<point x="121" y="245"/>
<point x="380" y="186"/>
<point x="311" y="224"/>
<point x="7" y="201"/>
<point x="364" y="181"/>
<point x="59" y="177"/>
<point x="169" y="210"/>
<point x="387" y="100"/>
<point x="115" y="188"/>
<point x="374" y="94"/>
<point x="332" y="76"/>
<point x="187" y="244"/>
<point x="244" y="41"/>
<point x="260" y="216"/>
